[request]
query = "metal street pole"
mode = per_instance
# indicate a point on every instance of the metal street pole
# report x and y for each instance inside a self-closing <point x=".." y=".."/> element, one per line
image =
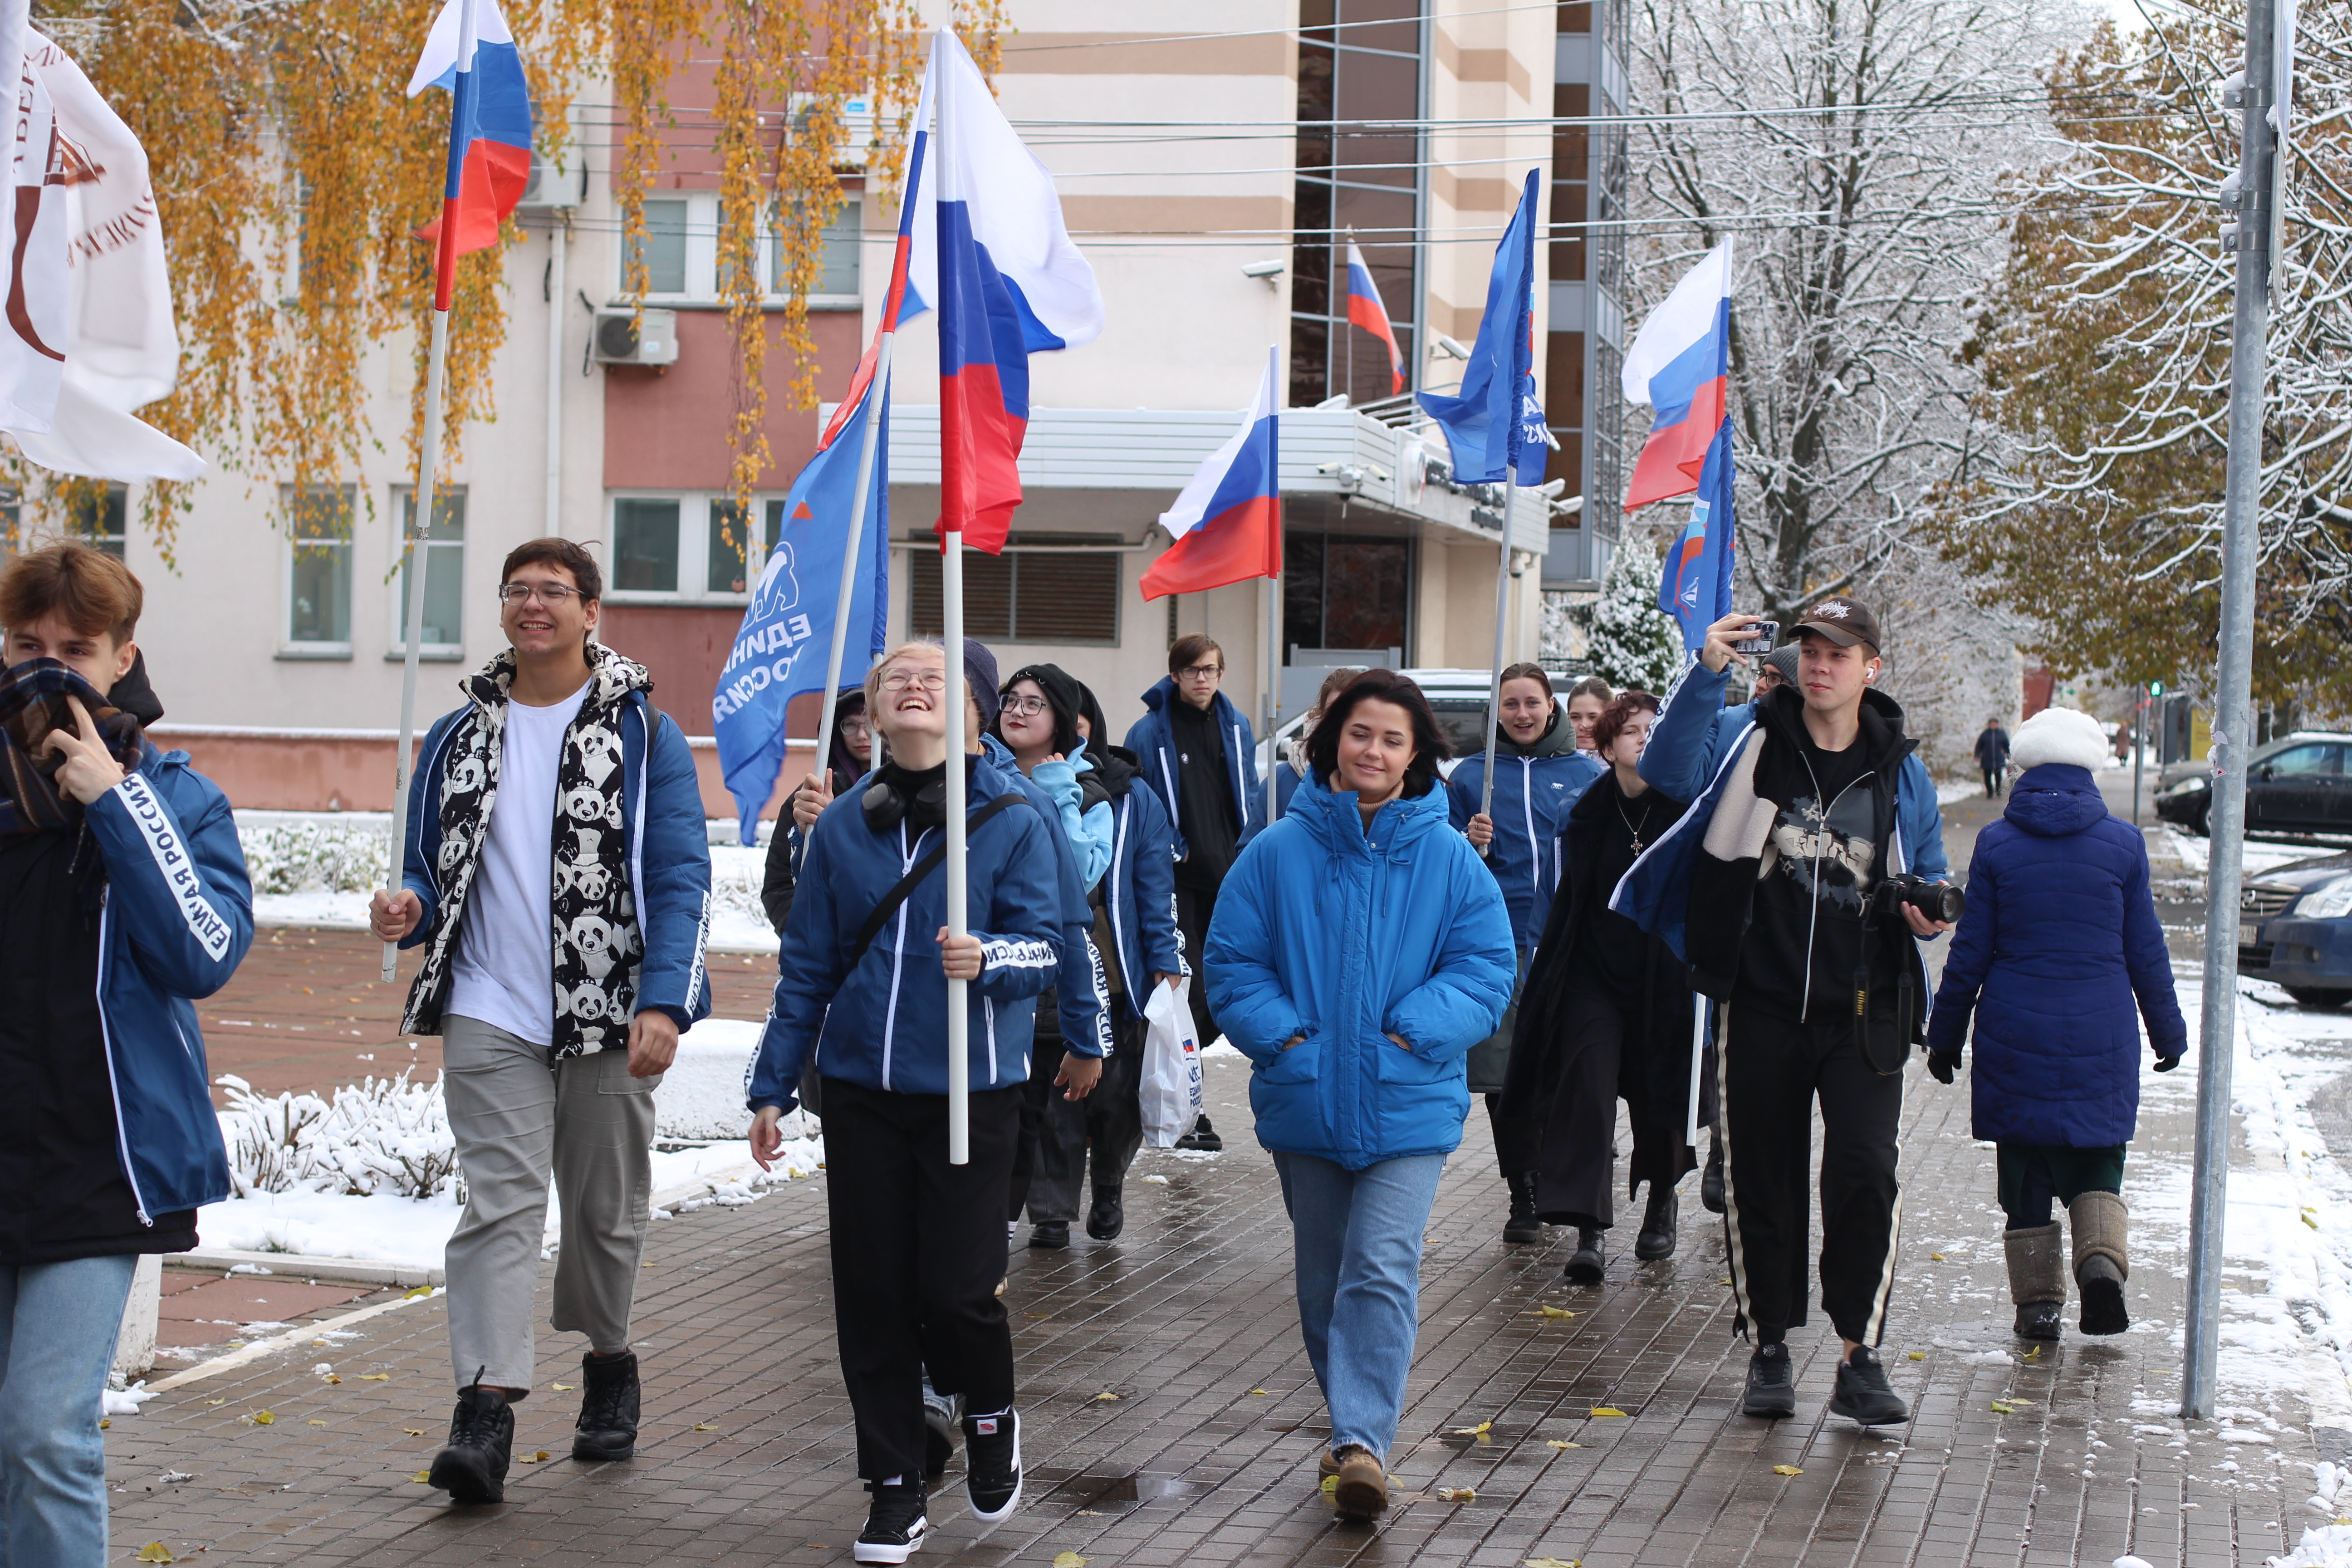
<point x="2139" y="747"/>
<point x="2232" y="724"/>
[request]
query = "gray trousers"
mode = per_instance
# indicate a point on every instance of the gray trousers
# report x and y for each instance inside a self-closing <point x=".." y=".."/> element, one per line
<point x="589" y="1123"/>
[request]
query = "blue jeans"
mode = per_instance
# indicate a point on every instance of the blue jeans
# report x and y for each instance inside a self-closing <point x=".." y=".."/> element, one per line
<point x="57" y="1328"/>
<point x="1356" y="1243"/>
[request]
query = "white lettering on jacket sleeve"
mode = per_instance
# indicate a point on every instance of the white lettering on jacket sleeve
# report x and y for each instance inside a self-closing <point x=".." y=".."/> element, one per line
<point x="178" y="866"/>
<point x="1012" y="953"/>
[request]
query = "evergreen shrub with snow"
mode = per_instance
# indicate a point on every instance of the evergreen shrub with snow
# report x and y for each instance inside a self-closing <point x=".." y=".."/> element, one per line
<point x="316" y="857"/>
<point x="1629" y="641"/>
<point x="385" y="1135"/>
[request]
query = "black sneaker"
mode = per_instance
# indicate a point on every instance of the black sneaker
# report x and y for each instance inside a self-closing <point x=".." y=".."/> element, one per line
<point x="473" y="1467"/>
<point x="1584" y="1266"/>
<point x="2039" y="1320"/>
<point x="1203" y="1137"/>
<point x="1109" y="1216"/>
<point x="992" y="1458"/>
<point x="1863" y="1393"/>
<point x="894" y="1525"/>
<point x="1522" y="1225"/>
<point x="2102" y="1284"/>
<point x="1051" y="1235"/>
<point x="607" y="1428"/>
<point x="1710" y="1181"/>
<point x="1771" y="1384"/>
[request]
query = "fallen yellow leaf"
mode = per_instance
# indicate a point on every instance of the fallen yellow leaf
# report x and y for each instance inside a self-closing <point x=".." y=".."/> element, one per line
<point x="1918" y="1355"/>
<point x="420" y="1290"/>
<point x="708" y="1426"/>
<point x="1552" y="1563"/>
<point x="333" y="1377"/>
<point x="1105" y="1394"/>
<point x="1606" y="1410"/>
<point x="156" y="1551"/>
<point x="375" y="1377"/>
<point x="1935" y="1257"/>
<point x="2308" y="1220"/>
<point x="1562" y="1443"/>
<point x="1725" y="1280"/>
<point x="1787" y="1470"/>
<point x="318" y="1423"/>
<point x="1330" y="1483"/>
<point x="1480" y="1430"/>
<point x="261" y="1418"/>
<point x="414" y="1431"/>
<point x="1069" y="1560"/>
<point x="2002" y="1407"/>
<point x="537" y="1458"/>
<point x="215" y="1402"/>
<point x="1554" y="1313"/>
<point x="1257" y="1390"/>
<point x="561" y="1387"/>
<point x="420" y="1476"/>
<point x="2033" y="1354"/>
<point x="104" y="1424"/>
<point x="1458" y="1494"/>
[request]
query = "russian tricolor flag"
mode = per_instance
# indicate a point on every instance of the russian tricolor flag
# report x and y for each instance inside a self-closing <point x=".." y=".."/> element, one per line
<point x="1679" y="364"/>
<point x="1365" y="311"/>
<point x="471" y="53"/>
<point x="1228" y="521"/>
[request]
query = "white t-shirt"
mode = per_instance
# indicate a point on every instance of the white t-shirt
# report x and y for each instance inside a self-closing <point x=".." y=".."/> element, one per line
<point x="505" y="973"/>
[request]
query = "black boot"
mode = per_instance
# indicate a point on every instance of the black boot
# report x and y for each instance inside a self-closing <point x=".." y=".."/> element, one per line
<point x="1204" y="1138"/>
<point x="1109" y="1216"/>
<point x="1657" y="1237"/>
<point x="1710" y="1181"/>
<point x="473" y="1467"/>
<point x="1052" y="1235"/>
<point x="1584" y="1267"/>
<point x="1523" y="1225"/>
<point x="607" y="1428"/>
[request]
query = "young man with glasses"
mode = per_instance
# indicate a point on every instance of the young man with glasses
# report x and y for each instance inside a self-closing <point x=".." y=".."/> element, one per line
<point x="1199" y="757"/>
<point x="558" y="872"/>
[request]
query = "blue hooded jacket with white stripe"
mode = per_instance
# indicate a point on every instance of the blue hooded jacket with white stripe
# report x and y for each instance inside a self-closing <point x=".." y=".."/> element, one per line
<point x="1154" y="746"/>
<point x="177" y="919"/>
<point x="1140" y="893"/>
<point x="1534" y="787"/>
<point x="1079" y="987"/>
<point x="880" y="1020"/>
<point x="1347" y="936"/>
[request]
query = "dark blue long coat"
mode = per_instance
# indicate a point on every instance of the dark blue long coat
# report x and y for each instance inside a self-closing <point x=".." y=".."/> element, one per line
<point x="2059" y="940"/>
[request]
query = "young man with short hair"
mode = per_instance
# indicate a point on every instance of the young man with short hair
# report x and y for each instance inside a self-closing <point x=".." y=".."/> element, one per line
<point x="1199" y="757"/>
<point x="1774" y="888"/>
<point x="559" y="872"/>
<point x="122" y="897"/>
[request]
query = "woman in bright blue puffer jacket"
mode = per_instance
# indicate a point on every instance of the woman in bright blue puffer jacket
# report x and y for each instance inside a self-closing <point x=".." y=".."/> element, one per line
<point x="2059" y="941"/>
<point x="1359" y="948"/>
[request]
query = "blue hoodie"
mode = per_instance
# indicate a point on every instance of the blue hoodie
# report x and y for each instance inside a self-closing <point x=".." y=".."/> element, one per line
<point x="882" y="1021"/>
<point x="2059" y="939"/>
<point x="1155" y="750"/>
<point x="175" y="923"/>
<point x="1347" y="937"/>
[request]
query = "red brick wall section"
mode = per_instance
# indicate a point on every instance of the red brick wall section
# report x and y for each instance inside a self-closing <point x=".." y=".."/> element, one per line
<point x="666" y="427"/>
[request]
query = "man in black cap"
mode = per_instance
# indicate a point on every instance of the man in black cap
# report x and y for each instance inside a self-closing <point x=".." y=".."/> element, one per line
<point x="1807" y="799"/>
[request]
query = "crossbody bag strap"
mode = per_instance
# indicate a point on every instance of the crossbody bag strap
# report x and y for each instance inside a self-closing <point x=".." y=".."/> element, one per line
<point x="906" y="885"/>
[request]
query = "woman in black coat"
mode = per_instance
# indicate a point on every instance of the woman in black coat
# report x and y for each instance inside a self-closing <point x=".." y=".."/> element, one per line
<point x="1606" y="1016"/>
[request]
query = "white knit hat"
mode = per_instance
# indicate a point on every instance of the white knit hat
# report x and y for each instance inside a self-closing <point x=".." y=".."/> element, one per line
<point x="2061" y="735"/>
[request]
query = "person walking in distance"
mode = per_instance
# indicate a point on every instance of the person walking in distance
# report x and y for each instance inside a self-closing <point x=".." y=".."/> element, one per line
<point x="1197" y="751"/>
<point x="1793" y="887"/>
<point x="123" y="897"/>
<point x="1606" y="1016"/>
<point x="1993" y="756"/>
<point x="917" y="1244"/>
<point x="1359" y="951"/>
<point x="2059" y="942"/>
<point x="1538" y="775"/>
<point x="557" y="874"/>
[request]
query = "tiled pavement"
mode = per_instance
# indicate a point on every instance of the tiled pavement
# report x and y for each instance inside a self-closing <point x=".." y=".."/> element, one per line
<point x="1204" y="1451"/>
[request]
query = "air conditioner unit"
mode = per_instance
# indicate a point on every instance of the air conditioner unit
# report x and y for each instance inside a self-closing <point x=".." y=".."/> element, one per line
<point x="553" y="187"/>
<point x="624" y="336"/>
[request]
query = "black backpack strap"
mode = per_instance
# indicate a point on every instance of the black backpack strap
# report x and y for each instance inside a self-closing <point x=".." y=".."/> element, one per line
<point x="906" y="885"/>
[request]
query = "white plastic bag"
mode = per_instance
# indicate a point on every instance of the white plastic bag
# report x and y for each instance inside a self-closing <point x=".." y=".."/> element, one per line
<point x="1171" y="1065"/>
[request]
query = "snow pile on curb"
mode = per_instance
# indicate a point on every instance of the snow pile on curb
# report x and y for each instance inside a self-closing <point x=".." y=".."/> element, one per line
<point x="2324" y="1546"/>
<point x="737" y="922"/>
<point x="385" y="1135"/>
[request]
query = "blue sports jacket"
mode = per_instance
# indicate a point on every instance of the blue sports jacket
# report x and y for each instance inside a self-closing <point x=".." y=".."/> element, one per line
<point x="1140" y="893"/>
<point x="177" y="919"/>
<point x="1155" y="750"/>
<point x="1347" y="937"/>
<point x="1691" y="747"/>
<point x="880" y="1019"/>
<point x="1532" y="794"/>
<point x="2059" y="941"/>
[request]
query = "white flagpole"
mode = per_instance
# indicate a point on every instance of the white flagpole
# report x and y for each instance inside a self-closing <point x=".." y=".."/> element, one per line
<point x="876" y="392"/>
<point x="951" y="634"/>
<point x="1273" y="617"/>
<point x="421" y="524"/>
<point x="1494" y="696"/>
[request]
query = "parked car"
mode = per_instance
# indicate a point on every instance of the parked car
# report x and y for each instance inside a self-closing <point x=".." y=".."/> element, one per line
<point x="1457" y="698"/>
<point x="2294" y="927"/>
<point x="2302" y="784"/>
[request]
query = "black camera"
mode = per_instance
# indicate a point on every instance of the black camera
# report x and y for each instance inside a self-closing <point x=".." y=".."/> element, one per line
<point x="1935" y="900"/>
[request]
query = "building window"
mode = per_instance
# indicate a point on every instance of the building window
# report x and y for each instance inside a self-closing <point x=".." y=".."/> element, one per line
<point x="837" y="266"/>
<point x="1028" y="595"/>
<point x="445" y="573"/>
<point x="681" y="248"/>
<point x="663" y="247"/>
<point x="1345" y="591"/>
<point x="694" y="548"/>
<point x="1359" y="175"/>
<point x="318" y="521"/>
<point x="644" y="545"/>
<point x="98" y="514"/>
<point x="727" y="567"/>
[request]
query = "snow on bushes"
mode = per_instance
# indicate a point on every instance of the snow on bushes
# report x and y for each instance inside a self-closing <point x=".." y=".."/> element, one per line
<point x="300" y="853"/>
<point x="384" y="1136"/>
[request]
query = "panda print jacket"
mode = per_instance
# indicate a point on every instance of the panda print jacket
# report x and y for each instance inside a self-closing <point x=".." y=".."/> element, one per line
<point x="630" y="903"/>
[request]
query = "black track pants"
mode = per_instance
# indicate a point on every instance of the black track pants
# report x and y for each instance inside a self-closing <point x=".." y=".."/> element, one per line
<point x="1107" y="1123"/>
<point x="918" y="1249"/>
<point x="1773" y="1069"/>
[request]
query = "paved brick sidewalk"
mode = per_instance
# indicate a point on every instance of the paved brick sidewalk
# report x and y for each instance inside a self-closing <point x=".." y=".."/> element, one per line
<point x="1206" y="1453"/>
